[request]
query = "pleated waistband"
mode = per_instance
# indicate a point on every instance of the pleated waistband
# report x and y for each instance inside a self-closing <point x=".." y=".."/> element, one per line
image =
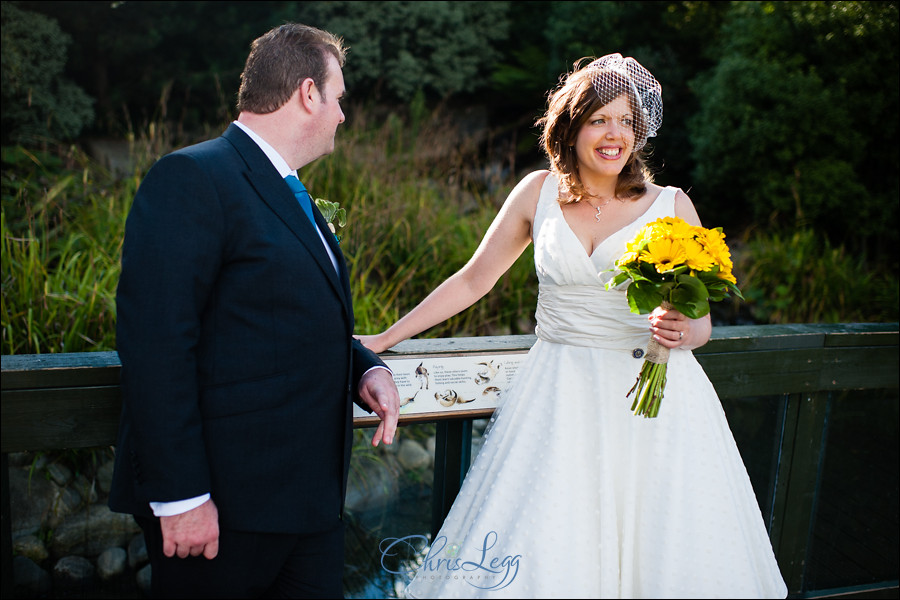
<point x="588" y="315"/>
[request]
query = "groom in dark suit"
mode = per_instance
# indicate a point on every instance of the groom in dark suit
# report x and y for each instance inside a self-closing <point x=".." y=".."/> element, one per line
<point x="235" y="326"/>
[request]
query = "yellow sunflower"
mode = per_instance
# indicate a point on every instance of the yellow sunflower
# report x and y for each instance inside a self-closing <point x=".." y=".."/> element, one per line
<point x="698" y="259"/>
<point x="675" y="228"/>
<point x="714" y="243"/>
<point x="664" y="254"/>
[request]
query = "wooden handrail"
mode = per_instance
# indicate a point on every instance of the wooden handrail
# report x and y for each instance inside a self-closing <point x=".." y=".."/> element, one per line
<point x="58" y="401"/>
<point x="54" y="401"/>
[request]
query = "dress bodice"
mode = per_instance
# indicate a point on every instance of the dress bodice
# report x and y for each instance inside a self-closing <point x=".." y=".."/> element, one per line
<point x="574" y="306"/>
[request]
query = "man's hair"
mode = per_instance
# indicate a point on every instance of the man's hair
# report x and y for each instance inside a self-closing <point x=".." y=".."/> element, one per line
<point x="280" y="60"/>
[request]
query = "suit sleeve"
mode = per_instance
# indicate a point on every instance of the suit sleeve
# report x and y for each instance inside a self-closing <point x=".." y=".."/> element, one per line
<point x="170" y="258"/>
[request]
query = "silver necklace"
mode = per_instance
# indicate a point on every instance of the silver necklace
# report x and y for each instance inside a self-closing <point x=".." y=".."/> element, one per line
<point x="597" y="208"/>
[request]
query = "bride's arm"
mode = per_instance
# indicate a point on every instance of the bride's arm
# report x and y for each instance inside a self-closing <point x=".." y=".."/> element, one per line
<point x="505" y="240"/>
<point x="671" y="328"/>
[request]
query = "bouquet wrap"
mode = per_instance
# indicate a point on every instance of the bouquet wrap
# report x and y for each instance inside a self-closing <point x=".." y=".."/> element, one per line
<point x="656" y="352"/>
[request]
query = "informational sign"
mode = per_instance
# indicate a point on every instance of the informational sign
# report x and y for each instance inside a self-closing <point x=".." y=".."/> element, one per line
<point x="451" y="383"/>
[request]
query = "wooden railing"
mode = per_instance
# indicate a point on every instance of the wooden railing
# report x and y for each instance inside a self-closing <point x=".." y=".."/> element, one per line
<point x="57" y="401"/>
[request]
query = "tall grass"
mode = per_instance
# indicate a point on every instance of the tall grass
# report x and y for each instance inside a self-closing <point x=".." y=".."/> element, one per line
<point x="418" y="195"/>
<point x="417" y="207"/>
<point x="799" y="277"/>
<point x="418" y="202"/>
<point x="62" y="225"/>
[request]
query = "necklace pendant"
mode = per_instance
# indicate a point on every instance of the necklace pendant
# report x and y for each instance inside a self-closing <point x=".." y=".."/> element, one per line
<point x="597" y="216"/>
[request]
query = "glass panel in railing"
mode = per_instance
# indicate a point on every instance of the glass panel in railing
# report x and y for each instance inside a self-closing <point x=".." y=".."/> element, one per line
<point x="855" y="529"/>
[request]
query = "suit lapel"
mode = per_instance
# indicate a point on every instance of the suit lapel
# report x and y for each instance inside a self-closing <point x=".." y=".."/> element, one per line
<point x="272" y="190"/>
<point x="338" y="255"/>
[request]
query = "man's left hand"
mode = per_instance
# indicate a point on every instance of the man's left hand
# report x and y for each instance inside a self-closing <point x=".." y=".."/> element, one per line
<point x="378" y="390"/>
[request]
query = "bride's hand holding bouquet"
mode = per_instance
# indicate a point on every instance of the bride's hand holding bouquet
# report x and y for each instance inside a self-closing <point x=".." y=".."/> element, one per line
<point x="671" y="265"/>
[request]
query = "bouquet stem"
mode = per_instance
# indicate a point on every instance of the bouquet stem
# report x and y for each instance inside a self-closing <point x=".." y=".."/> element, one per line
<point x="651" y="381"/>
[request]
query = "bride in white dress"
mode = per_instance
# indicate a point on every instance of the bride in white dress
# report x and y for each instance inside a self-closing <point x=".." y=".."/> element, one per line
<point x="572" y="495"/>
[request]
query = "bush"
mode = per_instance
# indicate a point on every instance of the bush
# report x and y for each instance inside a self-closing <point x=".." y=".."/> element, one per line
<point x="62" y="228"/>
<point x="796" y="85"/>
<point x="801" y="278"/>
<point x="38" y="103"/>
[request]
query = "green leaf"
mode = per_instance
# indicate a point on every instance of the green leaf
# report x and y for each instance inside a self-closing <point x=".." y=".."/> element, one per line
<point x="617" y="280"/>
<point x="643" y="298"/>
<point x="690" y="297"/>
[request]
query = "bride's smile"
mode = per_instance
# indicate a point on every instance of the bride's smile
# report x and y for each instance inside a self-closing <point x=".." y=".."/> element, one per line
<point x="606" y="140"/>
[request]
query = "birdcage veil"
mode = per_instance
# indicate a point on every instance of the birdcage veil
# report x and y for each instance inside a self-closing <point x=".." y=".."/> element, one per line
<point x="613" y="75"/>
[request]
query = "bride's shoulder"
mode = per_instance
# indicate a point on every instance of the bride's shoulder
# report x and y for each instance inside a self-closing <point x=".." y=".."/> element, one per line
<point x="528" y="190"/>
<point x="534" y="181"/>
<point x="678" y="195"/>
<point x="684" y="207"/>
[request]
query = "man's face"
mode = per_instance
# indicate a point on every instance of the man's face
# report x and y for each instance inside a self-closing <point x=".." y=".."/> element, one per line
<point x="329" y="113"/>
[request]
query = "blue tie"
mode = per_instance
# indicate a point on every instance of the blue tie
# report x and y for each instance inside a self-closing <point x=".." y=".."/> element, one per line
<point x="302" y="197"/>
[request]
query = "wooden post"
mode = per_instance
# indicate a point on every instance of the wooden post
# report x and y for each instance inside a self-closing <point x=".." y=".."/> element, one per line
<point x="452" y="456"/>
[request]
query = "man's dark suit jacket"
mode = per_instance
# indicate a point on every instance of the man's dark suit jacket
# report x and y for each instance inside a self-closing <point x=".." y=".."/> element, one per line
<point x="234" y="333"/>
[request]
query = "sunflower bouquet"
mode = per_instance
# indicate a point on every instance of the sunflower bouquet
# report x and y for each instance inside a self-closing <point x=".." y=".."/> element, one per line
<point x="671" y="264"/>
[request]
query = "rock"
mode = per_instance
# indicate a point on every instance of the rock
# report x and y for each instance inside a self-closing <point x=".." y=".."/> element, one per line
<point x="32" y="547"/>
<point x="143" y="580"/>
<point x="477" y="443"/>
<point x="63" y="502"/>
<point x="371" y="488"/>
<point x="59" y="473"/>
<point x="104" y="476"/>
<point x="73" y="571"/>
<point x="413" y="456"/>
<point x="20" y="459"/>
<point x="40" y="462"/>
<point x="86" y="488"/>
<point x="30" y="498"/>
<point x="114" y="154"/>
<point x="137" y="552"/>
<point x="111" y="563"/>
<point x="92" y="531"/>
<point x="29" y="580"/>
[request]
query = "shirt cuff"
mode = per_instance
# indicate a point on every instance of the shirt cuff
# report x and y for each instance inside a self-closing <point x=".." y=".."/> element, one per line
<point x="170" y="509"/>
<point x="388" y="369"/>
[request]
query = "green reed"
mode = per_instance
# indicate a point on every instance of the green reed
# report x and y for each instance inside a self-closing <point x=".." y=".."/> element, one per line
<point x="418" y="202"/>
<point x="417" y="208"/>
<point x="799" y="277"/>
<point x="62" y="228"/>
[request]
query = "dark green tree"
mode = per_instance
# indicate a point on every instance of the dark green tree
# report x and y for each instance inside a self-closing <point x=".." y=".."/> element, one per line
<point x="172" y="62"/>
<point x="797" y="124"/>
<point x="39" y="104"/>
<point x="180" y="62"/>
<point x="665" y="37"/>
<point x="398" y="49"/>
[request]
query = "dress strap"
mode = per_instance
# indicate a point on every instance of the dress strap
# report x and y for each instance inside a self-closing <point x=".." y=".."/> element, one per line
<point x="664" y="205"/>
<point x="549" y="196"/>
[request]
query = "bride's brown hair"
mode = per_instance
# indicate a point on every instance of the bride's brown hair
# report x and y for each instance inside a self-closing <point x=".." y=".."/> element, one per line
<point x="569" y="108"/>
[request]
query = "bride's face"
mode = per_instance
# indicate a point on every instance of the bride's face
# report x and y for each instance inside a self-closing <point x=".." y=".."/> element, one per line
<point x="606" y="140"/>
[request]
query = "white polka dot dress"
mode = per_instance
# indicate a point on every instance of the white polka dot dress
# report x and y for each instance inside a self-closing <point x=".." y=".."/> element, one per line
<point x="572" y="496"/>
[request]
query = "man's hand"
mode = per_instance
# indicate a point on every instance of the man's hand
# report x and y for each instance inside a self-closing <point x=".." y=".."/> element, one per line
<point x="378" y="390"/>
<point x="192" y="533"/>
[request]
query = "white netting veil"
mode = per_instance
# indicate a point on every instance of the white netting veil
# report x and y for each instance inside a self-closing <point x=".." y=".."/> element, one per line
<point x="613" y="75"/>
